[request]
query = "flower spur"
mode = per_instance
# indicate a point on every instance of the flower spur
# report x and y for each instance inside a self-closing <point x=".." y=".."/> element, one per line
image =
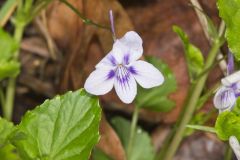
<point x="121" y="69"/>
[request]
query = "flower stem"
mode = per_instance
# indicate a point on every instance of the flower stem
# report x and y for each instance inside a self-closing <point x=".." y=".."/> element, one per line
<point x="132" y="131"/>
<point x="10" y="91"/>
<point x="84" y="19"/>
<point x="228" y="153"/>
<point x="186" y="115"/>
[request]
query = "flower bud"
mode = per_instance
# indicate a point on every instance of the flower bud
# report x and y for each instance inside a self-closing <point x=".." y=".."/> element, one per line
<point x="224" y="98"/>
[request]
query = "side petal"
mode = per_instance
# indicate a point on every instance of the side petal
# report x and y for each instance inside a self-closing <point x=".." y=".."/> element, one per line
<point x="134" y="44"/>
<point x="108" y="61"/>
<point x="125" y="85"/>
<point x="100" y="81"/>
<point x="146" y="74"/>
<point x="224" y="98"/>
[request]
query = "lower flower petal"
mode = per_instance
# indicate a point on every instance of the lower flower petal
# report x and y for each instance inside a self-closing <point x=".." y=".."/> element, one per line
<point x="146" y="74"/>
<point x="125" y="85"/>
<point x="224" y="98"/>
<point x="100" y="81"/>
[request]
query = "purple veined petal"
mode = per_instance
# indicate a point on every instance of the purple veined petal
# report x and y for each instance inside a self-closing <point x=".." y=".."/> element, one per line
<point x="108" y="61"/>
<point x="119" y="51"/>
<point x="125" y="85"/>
<point x="134" y="44"/>
<point x="236" y="88"/>
<point x="233" y="142"/>
<point x="146" y="74"/>
<point x="224" y="98"/>
<point x="231" y="79"/>
<point x="100" y="81"/>
<point x="230" y="65"/>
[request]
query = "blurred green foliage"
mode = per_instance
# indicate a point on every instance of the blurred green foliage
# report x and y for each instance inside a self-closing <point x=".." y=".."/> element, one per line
<point x="142" y="145"/>
<point x="156" y="99"/>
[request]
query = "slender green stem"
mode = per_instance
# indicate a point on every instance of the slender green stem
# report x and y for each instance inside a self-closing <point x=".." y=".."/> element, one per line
<point x="190" y="106"/>
<point x="211" y="67"/>
<point x="2" y="98"/>
<point x="203" y="99"/>
<point x="228" y="153"/>
<point x="10" y="91"/>
<point x="132" y="131"/>
<point x="8" y="107"/>
<point x="84" y="19"/>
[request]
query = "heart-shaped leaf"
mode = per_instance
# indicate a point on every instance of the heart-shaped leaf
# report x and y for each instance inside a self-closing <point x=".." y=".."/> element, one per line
<point x="65" y="127"/>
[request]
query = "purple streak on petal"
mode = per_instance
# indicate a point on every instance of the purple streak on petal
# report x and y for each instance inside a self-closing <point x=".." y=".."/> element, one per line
<point x="230" y="65"/>
<point x="112" y="60"/>
<point x="126" y="59"/>
<point x="110" y="75"/>
<point x="237" y="94"/>
<point x="123" y="77"/>
<point x="132" y="70"/>
<point x="112" y="24"/>
<point x="224" y="98"/>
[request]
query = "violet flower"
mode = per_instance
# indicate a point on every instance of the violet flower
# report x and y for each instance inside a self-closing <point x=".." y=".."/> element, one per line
<point x="121" y="69"/>
<point x="227" y="94"/>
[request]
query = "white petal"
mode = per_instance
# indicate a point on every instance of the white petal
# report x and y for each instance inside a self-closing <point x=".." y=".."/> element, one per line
<point x="224" y="98"/>
<point x="100" y="81"/>
<point x="146" y="74"/>
<point x="118" y="51"/>
<point x="134" y="44"/>
<point x="125" y="85"/>
<point x="108" y="61"/>
<point x="233" y="78"/>
<point x="235" y="146"/>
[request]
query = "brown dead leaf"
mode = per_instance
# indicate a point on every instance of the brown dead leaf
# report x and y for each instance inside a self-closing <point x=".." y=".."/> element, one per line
<point x="109" y="142"/>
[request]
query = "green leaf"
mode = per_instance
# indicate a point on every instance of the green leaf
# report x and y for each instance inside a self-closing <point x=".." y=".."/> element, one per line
<point x="229" y="11"/>
<point x="202" y="128"/>
<point x="142" y="146"/>
<point x="9" y="69"/>
<point x="227" y="124"/>
<point x="8" y="152"/>
<point x="99" y="155"/>
<point x="156" y="98"/>
<point x="6" y="128"/>
<point x="65" y="127"/>
<point x="236" y="108"/>
<point x="194" y="57"/>
<point x="8" y="46"/>
<point x="6" y="10"/>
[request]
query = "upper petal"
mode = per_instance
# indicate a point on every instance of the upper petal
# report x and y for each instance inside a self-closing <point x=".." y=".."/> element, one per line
<point x="231" y="79"/>
<point x="125" y="85"/>
<point x="146" y="74"/>
<point x="134" y="42"/>
<point x="100" y="81"/>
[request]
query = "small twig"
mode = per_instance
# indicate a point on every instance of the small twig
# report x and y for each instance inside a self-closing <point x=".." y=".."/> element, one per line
<point x="42" y="25"/>
<point x="203" y="21"/>
<point x="84" y="19"/>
